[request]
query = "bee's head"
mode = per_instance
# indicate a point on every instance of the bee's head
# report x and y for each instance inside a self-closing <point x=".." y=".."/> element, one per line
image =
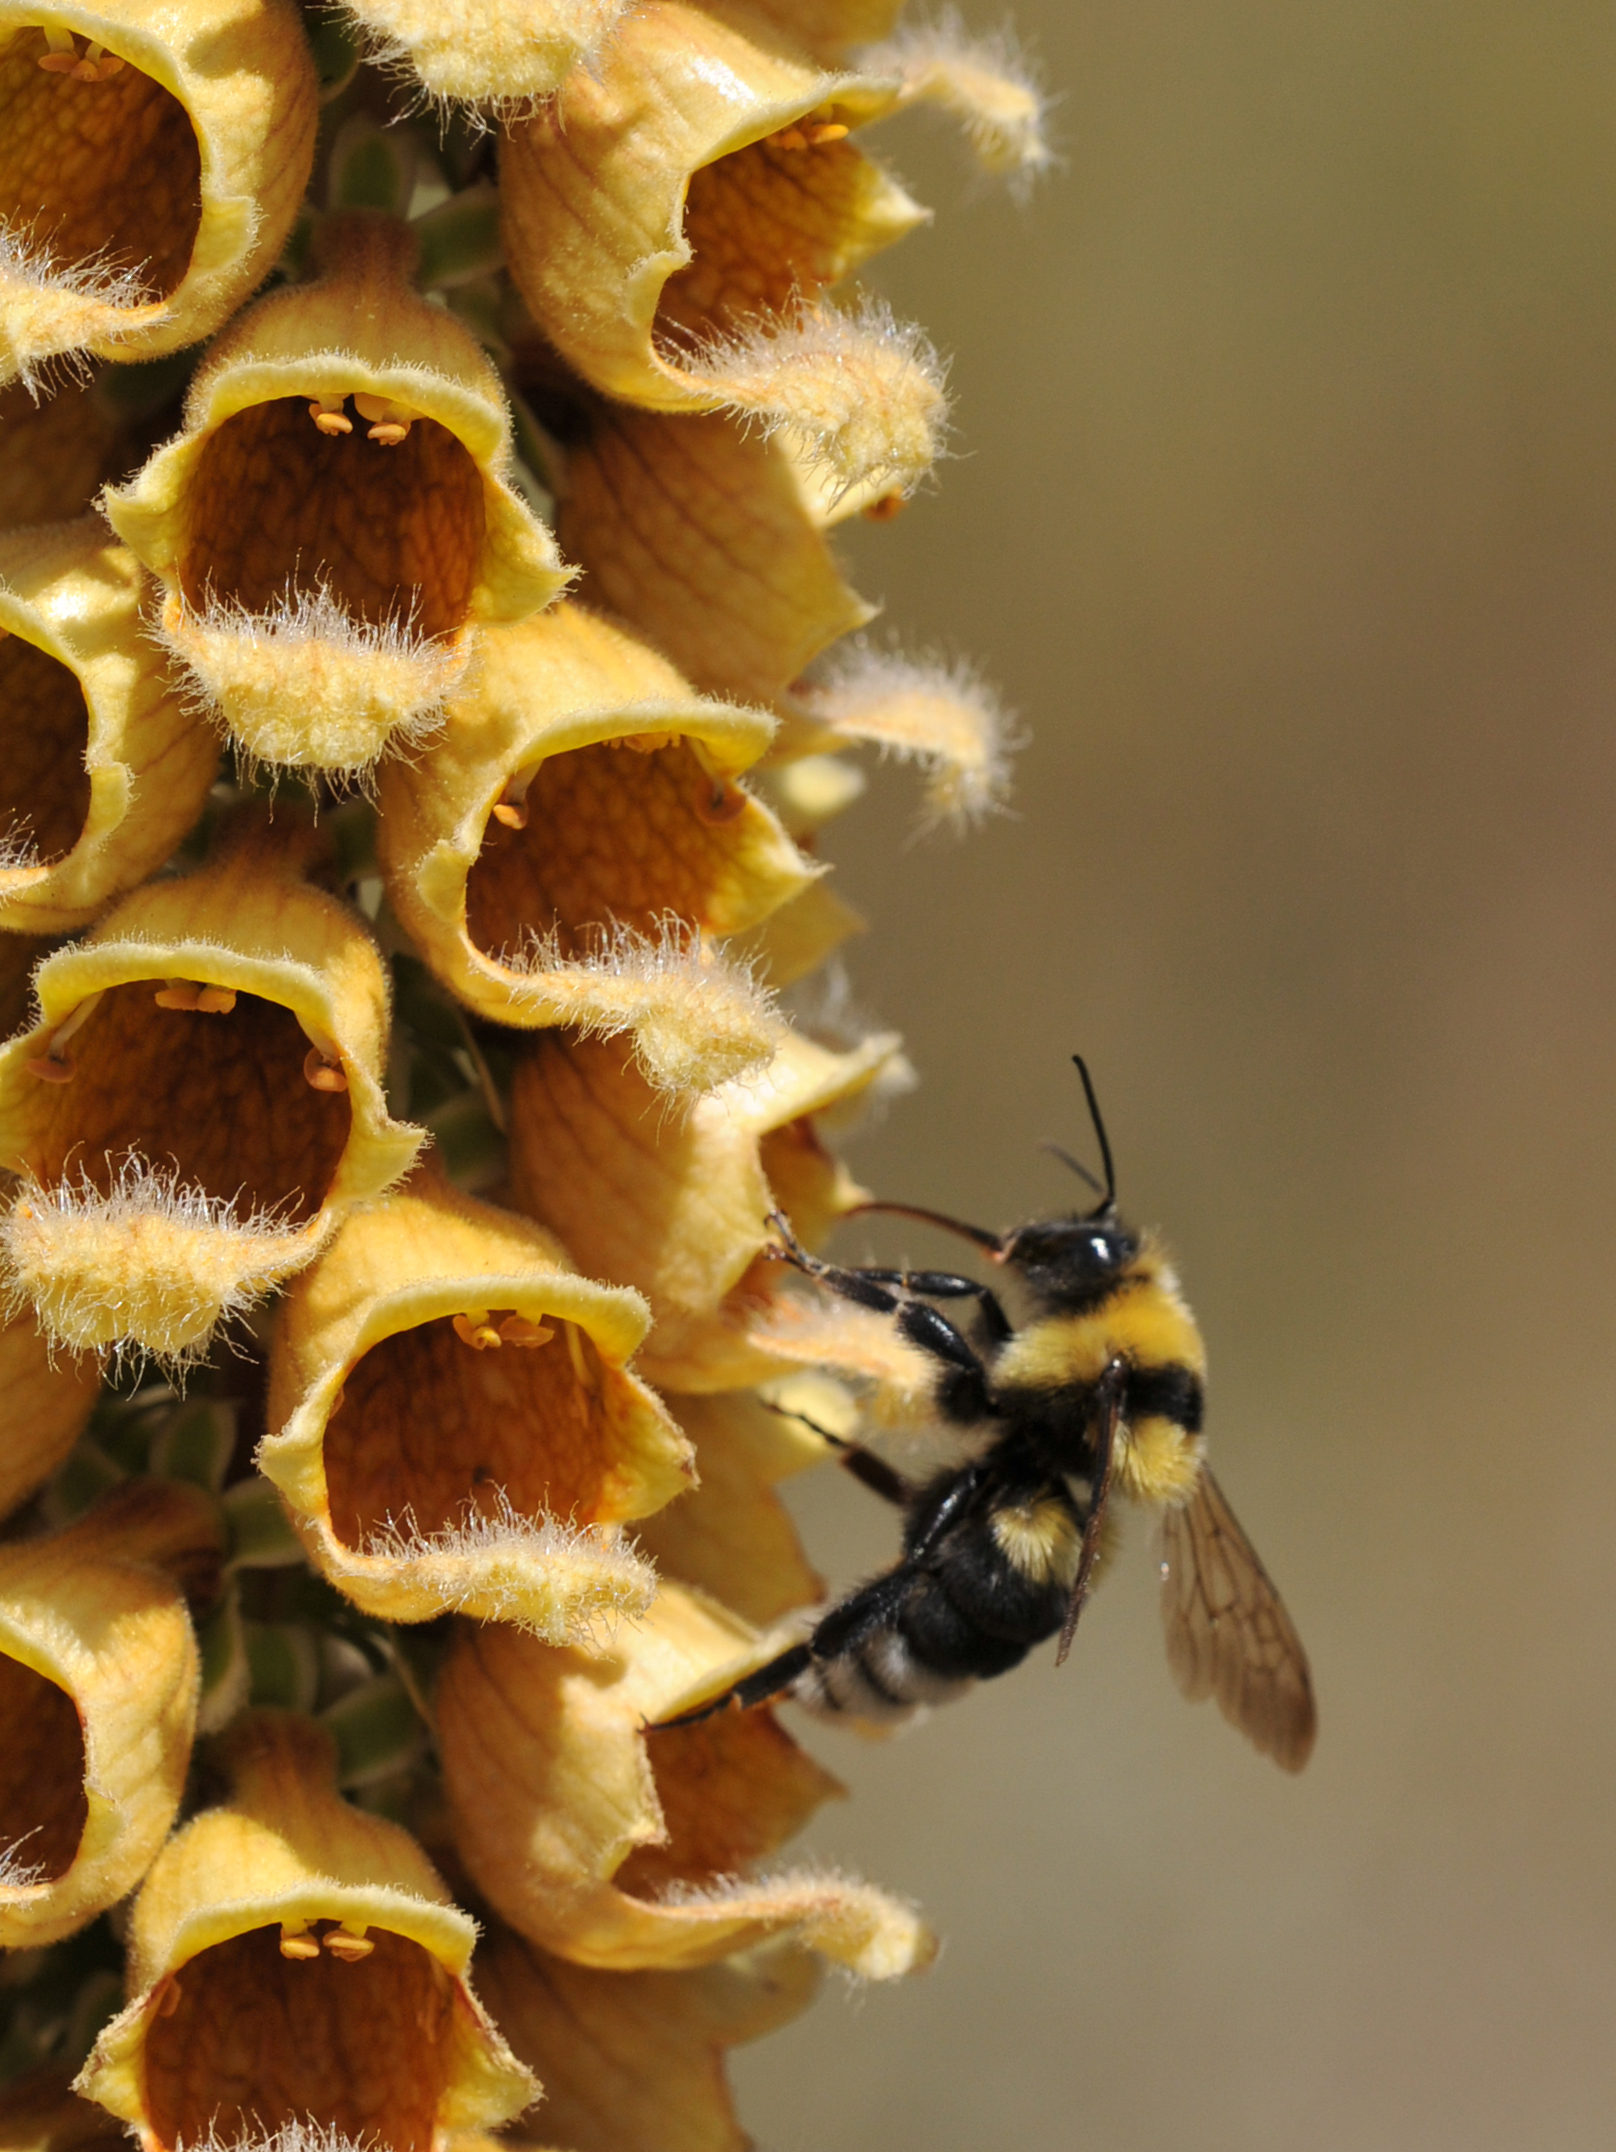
<point x="1071" y="1262"/>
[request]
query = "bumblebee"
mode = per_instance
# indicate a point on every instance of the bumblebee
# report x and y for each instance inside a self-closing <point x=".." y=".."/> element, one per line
<point x="1099" y="1392"/>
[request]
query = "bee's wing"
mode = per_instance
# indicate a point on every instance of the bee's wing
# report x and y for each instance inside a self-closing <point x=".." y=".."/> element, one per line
<point x="1228" y="1634"/>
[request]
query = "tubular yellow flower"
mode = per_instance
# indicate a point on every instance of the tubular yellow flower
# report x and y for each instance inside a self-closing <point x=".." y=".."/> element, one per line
<point x="106" y="768"/>
<point x="673" y="1200"/>
<point x="695" y="530"/>
<point x="148" y="180"/>
<point x="673" y="216"/>
<point x="562" y="853"/>
<point x="199" y="1103"/>
<point x="453" y="1425"/>
<point x="634" y="2062"/>
<point x="324" y="576"/>
<point x="293" y="1960"/>
<point x="731" y="1535"/>
<point x="98" y="1691"/>
<point x="625" y="1849"/>
<point x="48" y="1397"/>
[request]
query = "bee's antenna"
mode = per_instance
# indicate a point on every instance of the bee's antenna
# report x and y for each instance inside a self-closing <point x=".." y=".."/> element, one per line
<point x="1066" y="1159"/>
<point x="993" y="1242"/>
<point x="1109" y="1197"/>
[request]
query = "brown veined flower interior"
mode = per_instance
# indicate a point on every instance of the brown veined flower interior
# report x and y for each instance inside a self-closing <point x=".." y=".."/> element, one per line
<point x="44" y="788"/>
<point x="43" y="1808"/>
<point x="732" y="1791"/>
<point x="619" y="833"/>
<point x="282" y="510"/>
<point x="460" y="1417"/>
<point x="102" y="171"/>
<point x="770" y="224"/>
<point x="226" y="1094"/>
<point x="362" y="2044"/>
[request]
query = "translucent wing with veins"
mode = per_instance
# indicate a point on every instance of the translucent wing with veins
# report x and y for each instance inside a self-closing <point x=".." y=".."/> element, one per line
<point x="1228" y="1634"/>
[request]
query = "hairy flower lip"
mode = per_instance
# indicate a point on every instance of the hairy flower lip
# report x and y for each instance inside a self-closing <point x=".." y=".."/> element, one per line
<point x="72" y="596"/>
<point x="172" y="1259"/>
<point x="408" y="1270"/>
<point x="96" y="1615"/>
<point x="256" y="513"/>
<point x="576" y="833"/>
<point x="210" y="1956"/>
<point x="642" y="1871"/>
<point x="241" y="72"/>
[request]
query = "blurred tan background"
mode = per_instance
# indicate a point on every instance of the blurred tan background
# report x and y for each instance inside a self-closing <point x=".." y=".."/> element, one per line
<point x="1286" y="515"/>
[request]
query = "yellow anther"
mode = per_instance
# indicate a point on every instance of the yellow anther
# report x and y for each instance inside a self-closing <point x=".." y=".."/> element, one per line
<point x="820" y="132"/>
<point x="200" y="1000"/>
<point x="517" y="1330"/>
<point x="63" y="56"/>
<point x="389" y="422"/>
<point x="343" y="1943"/>
<point x="216" y="1000"/>
<point x="789" y="138"/>
<point x="644" y="743"/>
<point x="388" y="433"/>
<point x="513" y="813"/>
<point x="296" y="1942"/>
<point x="323" y="1075"/>
<point x="50" y="1068"/>
<point x="477" y="1330"/>
<point x="328" y="414"/>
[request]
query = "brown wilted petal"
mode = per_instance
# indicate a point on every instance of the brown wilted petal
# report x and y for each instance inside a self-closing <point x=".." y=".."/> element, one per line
<point x="673" y="216"/>
<point x="454" y="1426"/>
<point x="151" y="163"/>
<point x="324" y="576"/>
<point x="293" y="1960"/>
<point x="571" y="846"/>
<point x="199" y="1103"/>
<point x="634" y="2062"/>
<point x="98" y="1693"/>
<point x="105" y="768"/>
<point x="622" y="1848"/>
<point x="674" y="1198"/>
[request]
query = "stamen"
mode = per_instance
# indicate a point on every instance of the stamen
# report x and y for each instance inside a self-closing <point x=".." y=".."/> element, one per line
<point x="50" y="1068"/>
<point x="348" y="1945"/>
<point x="575" y="1351"/>
<point x="391" y="421"/>
<point x="169" y="2000"/>
<point x="821" y="131"/>
<point x="328" y="414"/>
<point x="63" y="56"/>
<point x="517" y="1330"/>
<point x="321" y="1074"/>
<point x="884" y="509"/>
<point x="296" y="1941"/>
<point x="789" y="138"/>
<point x="477" y="1330"/>
<point x="200" y="1000"/>
<point x="513" y="813"/>
<point x="645" y="743"/>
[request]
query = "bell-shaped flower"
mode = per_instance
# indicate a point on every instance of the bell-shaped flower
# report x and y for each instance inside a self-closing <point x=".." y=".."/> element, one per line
<point x="674" y="217"/>
<point x="294" y="1961"/>
<point x="693" y="528"/>
<point x="199" y="1102"/>
<point x="618" y="1845"/>
<point x="453" y="1424"/>
<point x="324" y="574"/>
<point x="152" y="160"/>
<point x="106" y="767"/>
<point x="98" y="1695"/>
<point x="731" y="1535"/>
<point x="49" y="1396"/>
<point x="569" y="848"/>
<point x="673" y="1199"/>
<point x="635" y="2062"/>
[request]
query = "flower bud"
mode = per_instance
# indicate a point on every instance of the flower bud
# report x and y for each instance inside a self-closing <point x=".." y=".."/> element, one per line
<point x="151" y="163"/>
<point x="673" y="217"/>
<point x="454" y="1426"/>
<point x="106" y="768"/>
<point x="674" y="1199"/>
<point x="634" y="2062"/>
<point x="564" y="851"/>
<point x="324" y="575"/>
<point x="293" y="1960"/>
<point x="199" y="1103"/>
<point x="98" y="1692"/>
<point x="619" y="1847"/>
